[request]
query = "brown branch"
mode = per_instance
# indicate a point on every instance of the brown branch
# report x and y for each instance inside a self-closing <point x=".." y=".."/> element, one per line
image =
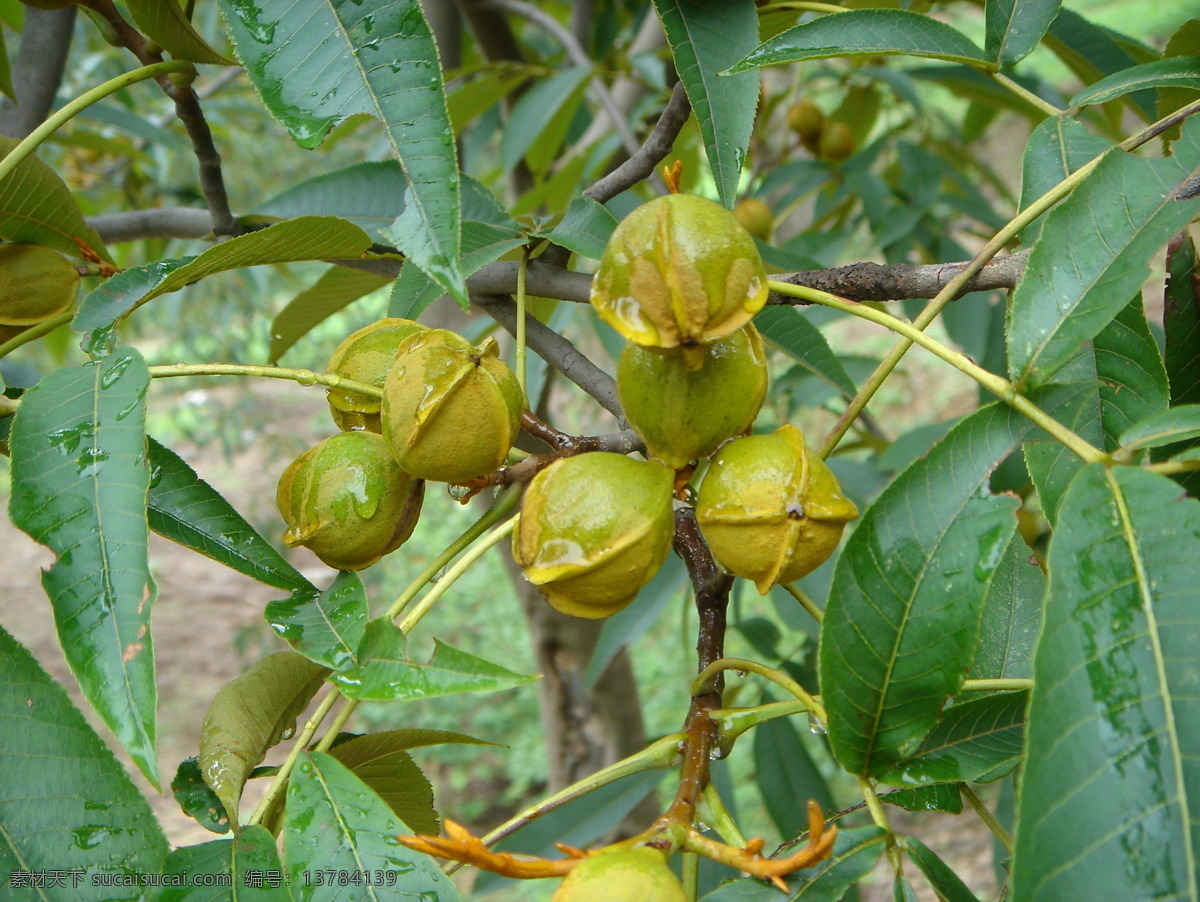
<point x="37" y="70"/>
<point x="187" y="108"/>
<point x="652" y="152"/>
<point x="160" y="222"/>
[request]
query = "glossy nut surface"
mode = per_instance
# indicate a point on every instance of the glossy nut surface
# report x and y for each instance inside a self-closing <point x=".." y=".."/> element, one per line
<point x="594" y="529"/>
<point x="682" y="413"/>
<point x="451" y="411"/>
<point x="770" y="511"/>
<point x="36" y="283"/>
<point x="622" y="875"/>
<point x="348" y="502"/>
<point x="679" y="270"/>
<point x="366" y="356"/>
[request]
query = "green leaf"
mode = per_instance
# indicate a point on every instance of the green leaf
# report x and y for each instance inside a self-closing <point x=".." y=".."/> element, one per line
<point x="937" y="797"/>
<point x="787" y="329"/>
<point x="242" y="869"/>
<point x="381" y="760"/>
<point x="541" y="117"/>
<point x="1112" y="748"/>
<point x="491" y="84"/>
<point x="304" y="238"/>
<point x="978" y="740"/>
<point x="165" y="23"/>
<point x="325" y="627"/>
<point x="114" y="297"/>
<point x="1162" y="428"/>
<point x="902" y="891"/>
<point x="1055" y="308"/>
<point x="370" y="195"/>
<point x="80" y="480"/>
<point x="1178" y="72"/>
<point x="1014" y="27"/>
<point x="196" y="798"/>
<point x="37" y="207"/>
<point x="337" y="288"/>
<point x="6" y="85"/>
<point x="866" y="32"/>
<point x="707" y="36"/>
<point x="585" y="229"/>
<point x="335" y="819"/>
<point x="1126" y="382"/>
<point x="384" y="674"/>
<point x="787" y="777"/>
<point x="185" y="509"/>
<point x="65" y="800"/>
<point x="1057" y="147"/>
<point x="248" y="716"/>
<point x="903" y="617"/>
<point x="1092" y="52"/>
<point x="947" y="884"/>
<point x="318" y="64"/>
<point x="1012" y="616"/>
<point x="1181" y="324"/>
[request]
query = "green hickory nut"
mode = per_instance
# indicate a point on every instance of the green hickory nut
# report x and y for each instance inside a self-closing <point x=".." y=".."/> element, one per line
<point x="366" y="356"/>
<point x="770" y="511"/>
<point x="594" y="529"/>
<point x="683" y="414"/>
<point x="621" y="875"/>
<point x="677" y="272"/>
<point x="348" y="502"/>
<point x="451" y="411"/>
<point x="36" y="283"/>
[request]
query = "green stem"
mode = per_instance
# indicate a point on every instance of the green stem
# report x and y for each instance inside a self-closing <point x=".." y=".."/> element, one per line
<point x="713" y="812"/>
<point x="733" y="722"/>
<point x="61" y="116"/>
<point x="879" y="816"/>
<point x="997" y="385"/>
<point x="689" y="871"/>
<point x="987" y="817"/>
<point x="996" y="685"/>
<point x="706" y="679"/>
<point x="1025" y="94"/>
<point x="805" y="602"/>
<point x="989" y="250"/>
<point x="520" y="357"/>
<point x="805" y="5"/>
<point x="33" y="333"/>
<point x="1167" y="467"/>
<point x="304" y="377"/>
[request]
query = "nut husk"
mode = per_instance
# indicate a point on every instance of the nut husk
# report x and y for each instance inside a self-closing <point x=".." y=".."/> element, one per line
<point x="770" y="511"/>
<point x="451" y="412"/>
<point x="36" y="283"/>
<point x="366" y="356"/>
<point x="594" y="529"/>
<point x="621" y="875"/>
<point x="678" y="271"/>
<point x="683" y="414"/>
<point x="348" y="502"/>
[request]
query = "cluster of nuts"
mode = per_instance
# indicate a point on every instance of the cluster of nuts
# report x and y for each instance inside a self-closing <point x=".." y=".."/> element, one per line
<point x="829" y="139"/>
<point x="681" y="280"/>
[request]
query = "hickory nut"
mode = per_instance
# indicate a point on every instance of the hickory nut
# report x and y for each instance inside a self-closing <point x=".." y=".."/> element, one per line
<point x="622" y="875"/>
<point x="594" y="529"/>
<point x="770" y="511"/>
<point x="36" y="283"/>
<point x="365" y="356"/>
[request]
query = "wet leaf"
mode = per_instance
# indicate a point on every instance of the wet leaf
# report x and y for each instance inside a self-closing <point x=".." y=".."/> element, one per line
<point x="243" y="869"/>
<point x="326" y="626"/>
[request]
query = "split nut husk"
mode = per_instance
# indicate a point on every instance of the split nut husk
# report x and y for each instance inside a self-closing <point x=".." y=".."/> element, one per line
<point x="770" y="511"/>
<point x="451" y="411"/>
<point x="348" y="502"/>
<point x="683" y="414"/>
<point x="36" y="283"/>
<point x="679" y="271"/>
<point x="366" y="356"/>
<point x="622" y="875"/>
<point x="594" y="529"/>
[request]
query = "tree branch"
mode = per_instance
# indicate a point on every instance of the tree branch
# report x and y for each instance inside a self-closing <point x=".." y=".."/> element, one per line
<point x="37" y="70"/>
<point x="655" y="149"/>
<point x="162" y="222"/>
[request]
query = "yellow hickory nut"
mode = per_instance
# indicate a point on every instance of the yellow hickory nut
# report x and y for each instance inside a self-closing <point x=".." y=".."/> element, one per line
<point x="366" y="356"/>
<point x="677" y="272"/>
<point x="451" y="411"/>
<point x="594" y="529"/>
<point x="622" y="875"/>
<point x="756" y="216"/>
<point x="683" y="414"/>
<point x="36" y="283"/>
<point x="348" y="502"/>
<point x="770" y="511"/>
<point x="807" y="120"/>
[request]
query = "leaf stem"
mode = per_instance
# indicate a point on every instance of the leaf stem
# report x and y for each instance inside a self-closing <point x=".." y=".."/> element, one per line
<point x="997" y="385"/>
<point x="714" y="813"/>
<point x="805" y="602"/>
<point x="706" y="679"/>
<point x="998" y="685"/>
<point x="62" y="115"/>
<point x="985" y="815"/>
<point x="733" y="722"/>
<point x="805" y="5"/>
<point x="304" y="377"/>
<point x="1168" y="467"/>
<point x="1025" y="94"/>
<point x="33" y="333"/>
<point x="879" y="816"/>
